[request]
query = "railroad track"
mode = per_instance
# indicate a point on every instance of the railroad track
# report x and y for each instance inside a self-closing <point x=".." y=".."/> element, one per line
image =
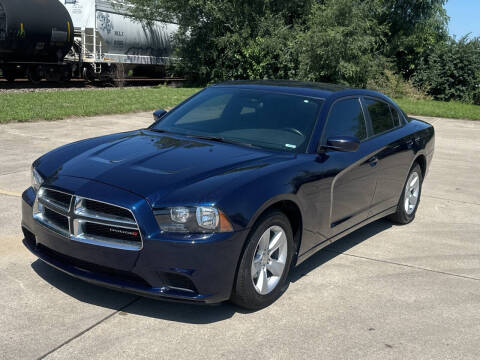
<point x="24" y="85"/>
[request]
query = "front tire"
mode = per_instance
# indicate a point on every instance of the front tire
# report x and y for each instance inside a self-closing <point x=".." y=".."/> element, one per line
<point x="265" y="263"/>
<point x="410" y="199"/>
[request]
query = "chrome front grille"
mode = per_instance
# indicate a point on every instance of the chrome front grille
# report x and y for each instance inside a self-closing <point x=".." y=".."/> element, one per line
<point x="86" y="220"/>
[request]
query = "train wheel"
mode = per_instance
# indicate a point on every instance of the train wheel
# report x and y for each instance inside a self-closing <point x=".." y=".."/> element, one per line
<point x="9" y="73"/>
<point x="65" y="78"/>
<point x="35" y="74"/>
<point x="88" y="73"/>
<point x="66" y="74"/>
<point x="9" y="76"/>
<point x="53" y="75"/>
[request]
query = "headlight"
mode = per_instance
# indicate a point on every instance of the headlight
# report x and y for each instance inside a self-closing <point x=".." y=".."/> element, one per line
<point x="37" y="180"/>
<point x="192" y="219"/>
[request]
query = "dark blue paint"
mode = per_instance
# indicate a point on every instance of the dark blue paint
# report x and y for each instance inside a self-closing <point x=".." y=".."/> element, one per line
<point x="335" y="193"/>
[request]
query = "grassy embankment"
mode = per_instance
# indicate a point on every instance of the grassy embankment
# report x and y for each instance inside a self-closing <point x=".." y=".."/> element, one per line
<point x="53" y="105"/>
<point x="453" y="109"/>
<point x="62" y="104"/>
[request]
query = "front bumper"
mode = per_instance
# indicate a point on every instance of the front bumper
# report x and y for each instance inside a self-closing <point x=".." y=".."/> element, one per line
<point x="200" y="271"/>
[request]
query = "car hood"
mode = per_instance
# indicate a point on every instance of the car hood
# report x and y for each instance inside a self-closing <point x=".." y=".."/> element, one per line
<point x="152" y="164"/>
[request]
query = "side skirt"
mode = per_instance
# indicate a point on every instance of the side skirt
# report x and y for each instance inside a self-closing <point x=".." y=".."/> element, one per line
<point x="312" y="251"/>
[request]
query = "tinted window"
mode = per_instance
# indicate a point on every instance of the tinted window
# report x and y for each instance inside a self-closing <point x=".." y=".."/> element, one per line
<point x="381" y="116"/>
<point x="211" y="109"/>
<point x="346" y="119"/>
<point x="396" y="117"/>
<point x="266" y="119"/>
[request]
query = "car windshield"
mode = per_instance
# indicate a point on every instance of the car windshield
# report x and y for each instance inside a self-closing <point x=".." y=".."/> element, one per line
<point x="268" y="120"/>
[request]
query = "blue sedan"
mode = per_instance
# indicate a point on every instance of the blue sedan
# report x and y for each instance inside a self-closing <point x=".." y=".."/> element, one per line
<point x="220" y="197"/>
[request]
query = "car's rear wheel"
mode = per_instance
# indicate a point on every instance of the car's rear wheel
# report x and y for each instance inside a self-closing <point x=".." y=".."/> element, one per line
<point x="265" y="263"/>
<point x="410" y="199"/>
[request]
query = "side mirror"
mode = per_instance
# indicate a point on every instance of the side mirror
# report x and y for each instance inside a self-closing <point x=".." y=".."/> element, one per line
<point x="158" y="114"/>
<point x="342" y="143"/>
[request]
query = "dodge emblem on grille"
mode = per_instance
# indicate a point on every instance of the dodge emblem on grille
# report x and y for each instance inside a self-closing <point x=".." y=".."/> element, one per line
<point x="126" y="232"/>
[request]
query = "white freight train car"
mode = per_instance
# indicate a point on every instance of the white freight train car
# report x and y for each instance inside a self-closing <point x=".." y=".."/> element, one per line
<point x="109" y="42"/>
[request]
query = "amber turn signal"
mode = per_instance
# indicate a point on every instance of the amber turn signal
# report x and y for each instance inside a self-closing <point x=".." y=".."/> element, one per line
<point x="224" y="225"/>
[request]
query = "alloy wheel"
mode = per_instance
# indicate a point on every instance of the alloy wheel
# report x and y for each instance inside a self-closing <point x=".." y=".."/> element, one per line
<point x="268" y="263"/>
<point x="412" y="193"/>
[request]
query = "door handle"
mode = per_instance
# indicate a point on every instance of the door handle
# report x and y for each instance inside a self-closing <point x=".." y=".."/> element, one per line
<point x="373" y="161"/>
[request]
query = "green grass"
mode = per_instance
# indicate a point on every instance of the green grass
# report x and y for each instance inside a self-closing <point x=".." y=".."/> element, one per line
<point x="453" y="109"/>
<point x="61" y="104"/>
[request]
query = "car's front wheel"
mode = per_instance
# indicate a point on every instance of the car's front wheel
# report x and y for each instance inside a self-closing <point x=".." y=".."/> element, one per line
<point x="265" y="263"/>
<point x="410" y="199"/>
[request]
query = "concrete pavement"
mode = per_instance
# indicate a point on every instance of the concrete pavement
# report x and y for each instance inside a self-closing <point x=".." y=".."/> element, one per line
<point x="383" y="292"/>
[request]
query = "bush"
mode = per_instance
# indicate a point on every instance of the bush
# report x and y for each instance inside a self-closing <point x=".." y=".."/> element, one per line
<point x="452" y="71"/>
<point x="395" y="86"/>
<point x="338" y="41"/>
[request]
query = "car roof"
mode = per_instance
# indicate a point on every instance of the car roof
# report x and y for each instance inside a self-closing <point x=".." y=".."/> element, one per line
<point x="306" y="88"/>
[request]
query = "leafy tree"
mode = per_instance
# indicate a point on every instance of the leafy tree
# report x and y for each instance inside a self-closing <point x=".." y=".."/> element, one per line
<point x="342" y="43"/>
<point x="414" y="27"/>
<point x="452" y="71"/>
<point x="230" y="39"/>
<point x="346" y="41"/>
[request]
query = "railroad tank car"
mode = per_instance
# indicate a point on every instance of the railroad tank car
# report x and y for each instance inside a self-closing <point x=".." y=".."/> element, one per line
<point x="93" y="39"/>
<point x="111" y="39"/>
<point x="33" y="31"/>
<point x="35" y="36"/>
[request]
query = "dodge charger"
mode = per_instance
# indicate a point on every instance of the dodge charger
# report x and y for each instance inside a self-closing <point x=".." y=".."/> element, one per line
<point x="223" y="195"/>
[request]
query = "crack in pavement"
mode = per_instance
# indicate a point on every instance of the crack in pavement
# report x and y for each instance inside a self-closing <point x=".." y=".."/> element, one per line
<point x="403" y="265"/>
<point x="90" y="328"/>
<point x="331" y="251"/>
<point x="459" y="201"/>
<point x="13" y="172"/>
<point x="10" y="193"/>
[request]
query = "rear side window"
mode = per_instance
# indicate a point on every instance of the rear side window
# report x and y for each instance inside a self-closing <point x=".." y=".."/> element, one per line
<point x="346" y="119"/>
<point x="397" y="120"/>
<point x="380" y="115"/>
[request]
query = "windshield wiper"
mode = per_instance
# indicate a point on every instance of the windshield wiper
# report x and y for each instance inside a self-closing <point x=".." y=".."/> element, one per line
<point x="223" y="140"/>
<point x="164" y="131"/>
<point x="158" y="130"/>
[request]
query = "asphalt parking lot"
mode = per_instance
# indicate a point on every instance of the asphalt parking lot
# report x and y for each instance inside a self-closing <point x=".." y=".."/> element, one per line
<point x="383" y="292"/>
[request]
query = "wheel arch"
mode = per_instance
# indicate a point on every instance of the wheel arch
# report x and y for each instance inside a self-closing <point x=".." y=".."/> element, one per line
<point x="422" y="161"/>
<point x="288" y="205"/>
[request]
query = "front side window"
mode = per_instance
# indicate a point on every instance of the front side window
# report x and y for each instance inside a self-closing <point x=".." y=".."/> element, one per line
<point x="380" y="115"/>
<point x="269" y="120"/>
<point x="346" y="119"/>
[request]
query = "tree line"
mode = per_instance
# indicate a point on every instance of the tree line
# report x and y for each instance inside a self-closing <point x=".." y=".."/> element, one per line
<point x="398" y="46"/>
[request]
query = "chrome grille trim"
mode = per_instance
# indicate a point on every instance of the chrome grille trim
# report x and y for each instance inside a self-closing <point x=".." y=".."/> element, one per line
<point x="39" y="215"/>
<point x="52" y="203"/>
<point x="78" y="216"/>
<point x="83" y="212"/>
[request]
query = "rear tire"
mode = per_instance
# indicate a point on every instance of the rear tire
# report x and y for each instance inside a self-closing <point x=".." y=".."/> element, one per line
<point x="265" y="263"/>
<point x="410" y="199"/>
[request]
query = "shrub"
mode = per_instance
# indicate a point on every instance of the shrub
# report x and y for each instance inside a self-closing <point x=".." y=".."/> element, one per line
<point x="452" y="71"/>
<point x="395" y="86"/>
